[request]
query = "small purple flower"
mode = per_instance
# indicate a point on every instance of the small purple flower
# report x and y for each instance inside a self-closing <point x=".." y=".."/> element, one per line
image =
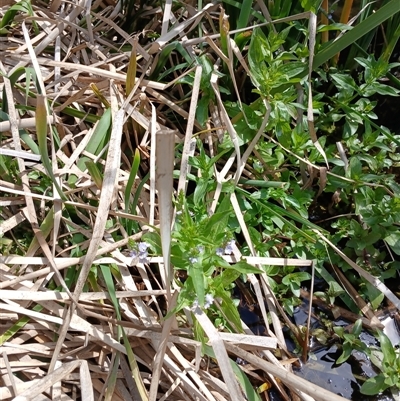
<point x="219" y="251"/>
<point x="200" y="248"/>
<point x="229" y="247"/>
<point x="140" y="252"/>
<point x="143" y="246"/>
<point x="143" y="257"/>
<point x="193" y="259"/>
<point x="133" y="253"/>
<point x="209" y="301"/>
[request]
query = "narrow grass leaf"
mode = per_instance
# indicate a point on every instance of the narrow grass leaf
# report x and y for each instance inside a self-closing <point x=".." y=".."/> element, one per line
<point x="41" y="132"/>
<point x="373" y="21"/>
<point x="99" y="95"/>
<point x="112" y="378"/>
<point x="245" y="12"/>
<point x="131" y="180"/>
<point x="99" y="139"/>
<point x="13" y="330"/>
<point x="94" y="173"/>
<point x="245" y="383"/>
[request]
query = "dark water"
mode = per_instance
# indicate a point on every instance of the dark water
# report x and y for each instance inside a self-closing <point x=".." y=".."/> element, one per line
<point x="321" y="368"/>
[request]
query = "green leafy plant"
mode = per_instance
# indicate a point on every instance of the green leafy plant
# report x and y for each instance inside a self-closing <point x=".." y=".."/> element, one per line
<point x="388" y="362"/>
<point x="351" y="341"/>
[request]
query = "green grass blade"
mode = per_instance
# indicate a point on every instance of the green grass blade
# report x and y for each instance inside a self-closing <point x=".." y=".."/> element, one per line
<point x="262" y="183"/>
<point x="112" y="379"/>
<point x="101" y="134"/>
<point x="41" y="132"/>
<point x="245" y="383"/>
<point x="391" y="44"/>
<point x="137" y="194"/>
<point x="26" y="138"/>
<point x="105" y="270"/>
<point x="24" y="6"/>
<point x="10" y="333"/>
<point x="244" y="15"/>
<point x="46" y="227"/>
<point x="131" y="357"/>
<point x="99" y="138"/>
<point x="238" y="5"/>
<point x="357" y="32"/>
<point x="131" y="179"/>
<point x="94" y="173"/>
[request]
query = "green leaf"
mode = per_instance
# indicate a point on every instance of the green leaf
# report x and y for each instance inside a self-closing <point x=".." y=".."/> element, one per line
<point x="154" y="239"/>
<point x="196" y="275"/>
<point x="111" y="288"/>
<point x="290" y="70"/>
<point x="219" y="220"/>
<point x="200" y="190"/>
<point x="251" y="394"/>
<point x="41" y="133"/>
<point x="344" y="81"/>
<point x="375" y="296"/>
<point x="393" y="240"/>
<point x="347" y="349"/>
<point x="229" y="309"/>
<point x="225" y="278"/>
<point x="384" y="89"/>
<point x="244" y="267"/>
<point x="296" y="277"/>
<point x="357" y="328"/>
<point x="311" y="5"/>
<point x="202" y="109"/>
<point x="355" y="168"/>
<point x="121" y="332"/>
<point x="373" y="21"/>
<point x="374" y="385"/>
<point x="389" y="354"/>
<point x="18" y="325"/>
<point x="131" y="179"/>
<point x="94" y="173"/>
<point x="99" y="138"/>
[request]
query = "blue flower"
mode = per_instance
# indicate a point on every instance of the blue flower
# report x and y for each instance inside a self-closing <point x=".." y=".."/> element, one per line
<point x="140" y="252"/>
<point x="143" y="246"/>
<point x="219" y="251"/>
<point x="209" y="301"/>
<point x="200" y="248"/>
<point x="229" y="247"/>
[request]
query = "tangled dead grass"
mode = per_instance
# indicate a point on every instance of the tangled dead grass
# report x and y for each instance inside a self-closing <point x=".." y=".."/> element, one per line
<point x="70" y="70"/>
